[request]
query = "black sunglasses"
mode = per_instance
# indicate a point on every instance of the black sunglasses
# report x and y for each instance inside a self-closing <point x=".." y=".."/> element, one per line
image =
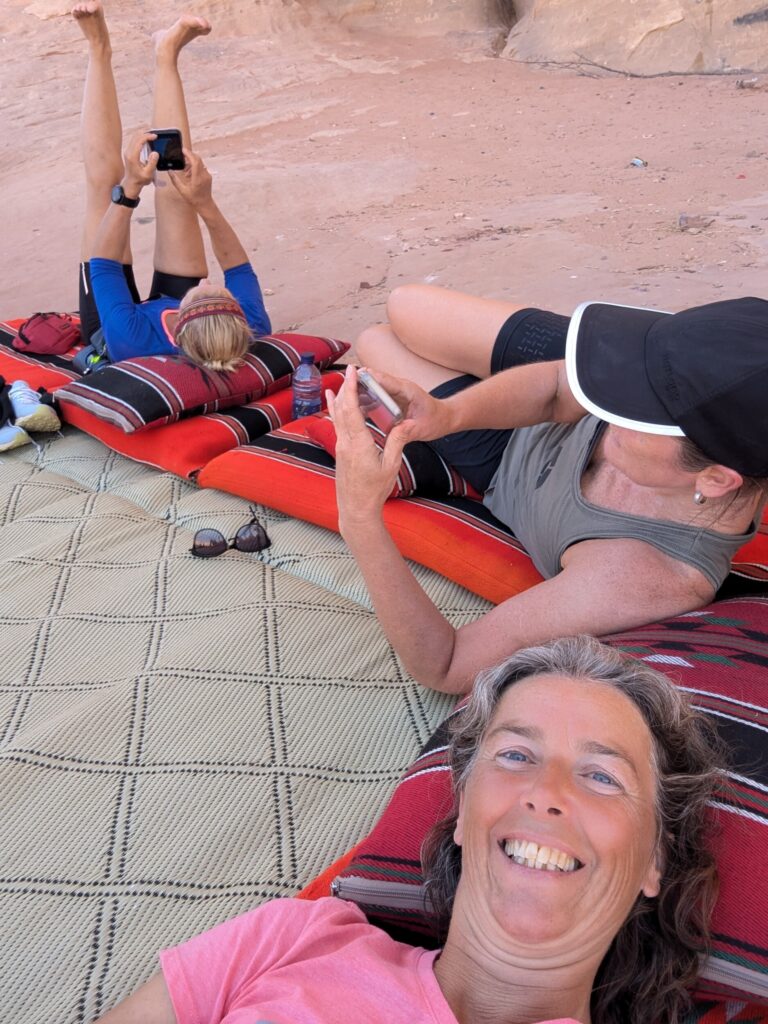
<point x="251" y="537"/>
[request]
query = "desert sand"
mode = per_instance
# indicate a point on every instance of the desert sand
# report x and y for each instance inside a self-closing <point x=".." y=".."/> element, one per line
<point x="352" y="161"/>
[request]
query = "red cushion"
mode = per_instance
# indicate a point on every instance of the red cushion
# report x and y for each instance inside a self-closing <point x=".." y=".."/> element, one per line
<point x="720" y="656"/>
<point x="422" y="470"/>
<point x="184" y="447"/>
<point x="457" y="537"/>
<point x="154" y="390"/>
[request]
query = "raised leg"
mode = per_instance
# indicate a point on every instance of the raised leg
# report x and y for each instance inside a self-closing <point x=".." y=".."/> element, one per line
<point x="381" y="349"/>
<point x="434" y="334"/>
<point x="101" y="132"/>
<point x="178" y="240"/>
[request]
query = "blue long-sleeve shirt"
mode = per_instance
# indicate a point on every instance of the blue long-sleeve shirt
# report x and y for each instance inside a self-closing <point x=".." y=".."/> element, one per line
<point x="138" y="330"/>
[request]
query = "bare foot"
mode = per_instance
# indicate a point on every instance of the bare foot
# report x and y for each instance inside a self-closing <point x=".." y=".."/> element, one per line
<point x="90" y="17"/>
<point x="170" y="41"/>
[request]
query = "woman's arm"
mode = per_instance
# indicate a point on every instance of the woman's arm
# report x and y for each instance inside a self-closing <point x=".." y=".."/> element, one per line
<point x="227" y="247"/>
<point x="126" y="331"/>
<point x="244" y="285"/>
<point x="150" y="1004"/>
<point x="590" y="595"/>
<point x="608" y="586"/>
<point x="519" y="397"/>
<point x="195" y="184"/>
<point x="115" y="228"/>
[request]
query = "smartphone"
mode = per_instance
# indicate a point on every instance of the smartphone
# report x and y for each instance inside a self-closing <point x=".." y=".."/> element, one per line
<point x="168" y="146"/>
<point x="376" y="404"/>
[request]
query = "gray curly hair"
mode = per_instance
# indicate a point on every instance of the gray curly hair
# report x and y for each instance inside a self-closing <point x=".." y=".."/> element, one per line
<point x="655" y="956"/>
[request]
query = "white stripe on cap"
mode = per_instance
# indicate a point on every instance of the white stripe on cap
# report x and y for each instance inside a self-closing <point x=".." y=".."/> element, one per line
<point x="593" y="407"/>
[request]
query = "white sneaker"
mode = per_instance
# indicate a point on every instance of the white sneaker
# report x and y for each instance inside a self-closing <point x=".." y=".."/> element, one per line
<point x="12" y="437"/>
<point x="29" y="412"/>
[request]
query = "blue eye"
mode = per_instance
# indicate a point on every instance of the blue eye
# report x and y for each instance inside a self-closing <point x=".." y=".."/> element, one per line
<point x="514" y="755"/>
<point x="603" y="778"/>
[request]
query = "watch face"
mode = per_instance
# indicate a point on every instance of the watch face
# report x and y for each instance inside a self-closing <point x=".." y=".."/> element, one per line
<point x="119" y="197"/>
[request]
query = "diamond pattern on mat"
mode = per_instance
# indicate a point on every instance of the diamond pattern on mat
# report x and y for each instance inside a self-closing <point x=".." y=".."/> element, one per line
<point x="181" y="739"/>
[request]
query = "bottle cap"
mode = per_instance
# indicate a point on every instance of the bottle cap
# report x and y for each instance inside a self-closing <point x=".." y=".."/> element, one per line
<point x="307" y="357"/>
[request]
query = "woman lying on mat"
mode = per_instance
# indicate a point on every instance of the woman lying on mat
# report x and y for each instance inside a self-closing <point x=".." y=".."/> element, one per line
<point x="637" y="468"/>
<point x="573" y="879"/>
<point x="213" y="326"/>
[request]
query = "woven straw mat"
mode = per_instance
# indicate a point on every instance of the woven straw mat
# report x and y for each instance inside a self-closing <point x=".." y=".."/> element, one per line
<point x="182" y="738"/>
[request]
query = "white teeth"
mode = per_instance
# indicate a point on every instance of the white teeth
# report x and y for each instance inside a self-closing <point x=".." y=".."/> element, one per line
<point x="543" y="858"/>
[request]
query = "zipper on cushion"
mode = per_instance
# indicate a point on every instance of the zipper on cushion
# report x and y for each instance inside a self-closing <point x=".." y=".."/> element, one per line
<point x="368" y="892"/>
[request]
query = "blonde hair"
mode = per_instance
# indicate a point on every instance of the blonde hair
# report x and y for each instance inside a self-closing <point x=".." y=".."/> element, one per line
<point x="217" y="341"/>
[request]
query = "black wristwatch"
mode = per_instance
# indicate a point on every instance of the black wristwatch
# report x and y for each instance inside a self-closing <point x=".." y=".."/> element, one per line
<point x="119" y="197"/>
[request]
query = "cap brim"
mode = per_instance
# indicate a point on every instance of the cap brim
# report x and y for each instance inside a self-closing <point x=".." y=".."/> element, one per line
<point x="606" y="366"/>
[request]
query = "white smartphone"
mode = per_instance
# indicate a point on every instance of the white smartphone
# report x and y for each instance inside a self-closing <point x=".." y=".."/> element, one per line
<point x="376" y="404"/>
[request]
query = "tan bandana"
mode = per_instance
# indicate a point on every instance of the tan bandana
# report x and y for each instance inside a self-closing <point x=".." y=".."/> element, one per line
<point x="215" y="305"/>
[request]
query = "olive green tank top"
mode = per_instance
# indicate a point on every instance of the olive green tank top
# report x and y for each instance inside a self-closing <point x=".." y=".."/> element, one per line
<point x="536" y="492"/>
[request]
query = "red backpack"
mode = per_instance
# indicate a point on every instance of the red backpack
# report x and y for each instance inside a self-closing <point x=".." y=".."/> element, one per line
<point x="49" y="334"/>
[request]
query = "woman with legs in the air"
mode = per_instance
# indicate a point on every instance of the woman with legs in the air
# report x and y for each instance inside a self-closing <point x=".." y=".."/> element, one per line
<point x="213" y="326"/>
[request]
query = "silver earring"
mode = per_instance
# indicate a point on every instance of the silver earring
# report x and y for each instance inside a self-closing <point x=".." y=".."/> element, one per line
<point x="699" y="498"/>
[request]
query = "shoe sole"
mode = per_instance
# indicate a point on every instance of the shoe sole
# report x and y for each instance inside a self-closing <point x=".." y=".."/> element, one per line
<point x="18" y="440"/>
<point x="42" y="419"/>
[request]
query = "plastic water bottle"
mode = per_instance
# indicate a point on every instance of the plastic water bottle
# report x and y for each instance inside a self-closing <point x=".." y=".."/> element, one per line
<point x="307" y="387"/>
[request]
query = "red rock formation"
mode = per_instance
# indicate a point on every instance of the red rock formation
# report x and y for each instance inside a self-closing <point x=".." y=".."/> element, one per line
<point x="644" y="36"/>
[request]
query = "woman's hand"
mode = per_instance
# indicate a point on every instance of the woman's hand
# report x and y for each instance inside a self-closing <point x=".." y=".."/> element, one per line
<point x="365" y="475"/>
<point x="425" y="417"/>
<point x="194" y="183"/>
<point x="138" y="174"/>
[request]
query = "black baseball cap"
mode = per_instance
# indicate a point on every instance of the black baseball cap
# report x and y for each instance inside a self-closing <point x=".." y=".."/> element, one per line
<point x="701" y="373"/>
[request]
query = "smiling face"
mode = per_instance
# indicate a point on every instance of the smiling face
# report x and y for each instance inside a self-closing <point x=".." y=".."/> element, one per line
<point x="557" y="821"/>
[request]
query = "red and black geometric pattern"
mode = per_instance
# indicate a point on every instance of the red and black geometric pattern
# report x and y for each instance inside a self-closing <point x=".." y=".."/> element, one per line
<point x="422" y="469"/>
<point x="458" y="537"/>
<point x="152" y="391"/>
<point x="185" y="447"/>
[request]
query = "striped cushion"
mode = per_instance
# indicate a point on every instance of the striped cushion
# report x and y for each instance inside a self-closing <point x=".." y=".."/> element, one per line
<point x="457" y="537"/>
<point x="718" y="655"/>
<point x="154" y="390"/>
<point x="422" y="470"/>
<point x="185" y="447"/>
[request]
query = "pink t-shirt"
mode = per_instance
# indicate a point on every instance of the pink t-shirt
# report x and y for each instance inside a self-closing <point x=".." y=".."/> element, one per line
<point x="303" y="962"/>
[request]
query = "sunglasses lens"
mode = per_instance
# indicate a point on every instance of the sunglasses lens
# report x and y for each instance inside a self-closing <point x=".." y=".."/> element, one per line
<point x="252" y="537"/>
<point x="208" y="543"/>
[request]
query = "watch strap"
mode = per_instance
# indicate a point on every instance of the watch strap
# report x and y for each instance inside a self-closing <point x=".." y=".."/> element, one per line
<point x="121" y="199"/>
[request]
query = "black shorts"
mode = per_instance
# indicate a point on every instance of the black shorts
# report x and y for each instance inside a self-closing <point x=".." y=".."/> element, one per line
<point x="171" y="285"/>
<point x="528" y="336"/>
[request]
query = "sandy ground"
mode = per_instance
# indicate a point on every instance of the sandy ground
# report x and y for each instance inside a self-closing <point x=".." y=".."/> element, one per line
<point x="351" y="163"/>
